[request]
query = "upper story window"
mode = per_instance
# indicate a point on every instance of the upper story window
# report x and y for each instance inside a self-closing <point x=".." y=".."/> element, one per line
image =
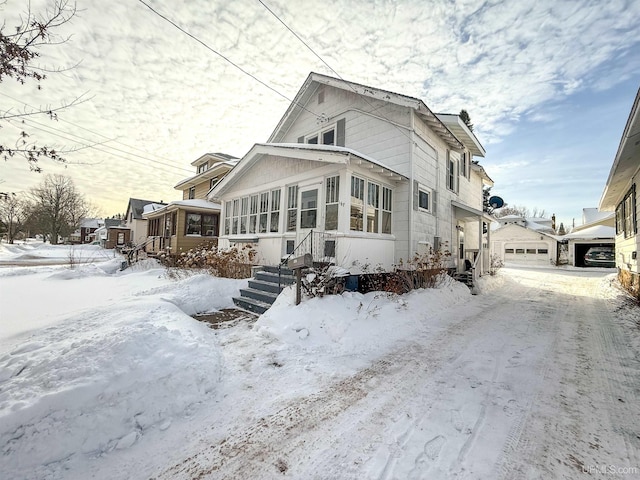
<point x="465" y="165"/>
<point x="192" y="193"/>
<point x="213" y="181"/>
<point x="452" y="173"/>
<point x="324" y="137"/>
<point x="203" y="167"/>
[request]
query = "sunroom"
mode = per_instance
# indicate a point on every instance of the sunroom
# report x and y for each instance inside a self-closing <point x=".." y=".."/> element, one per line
<point x="291" y="199"/>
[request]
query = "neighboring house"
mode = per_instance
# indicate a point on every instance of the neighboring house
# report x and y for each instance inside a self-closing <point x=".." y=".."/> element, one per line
<point x="134" y="220"/>
<point x="375" y="175"/>
<point x="101" y="234"/>
<point x="83" y="234"/>
<point x="522" y="241"/>
<point x="597" y="230"/>
<point x="185" y="224"/>
<point x="621" y="195"/>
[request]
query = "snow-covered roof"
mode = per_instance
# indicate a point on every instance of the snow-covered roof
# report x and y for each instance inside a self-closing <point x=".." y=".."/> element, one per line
<point x="91" y="222"/>
<point x="308" y="89"/>
<point x="303" y="151"/>
<point x="590" y="215"/>
<point x="592" y="233"/>
<point x="152" y="207"/>
<point x="198" y="203"/>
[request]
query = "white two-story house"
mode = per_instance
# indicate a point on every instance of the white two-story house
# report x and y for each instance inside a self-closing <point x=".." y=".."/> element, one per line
<point x="375" y="175"/>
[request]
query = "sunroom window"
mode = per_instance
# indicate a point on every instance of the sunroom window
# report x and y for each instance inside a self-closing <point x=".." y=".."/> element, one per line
<point x="357" y="204"/>
<point x="331" y="203"/>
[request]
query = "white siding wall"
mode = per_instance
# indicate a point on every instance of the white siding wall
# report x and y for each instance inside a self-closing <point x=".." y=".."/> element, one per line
<point x="369" y="133"/>
<point x="626" y="246"/>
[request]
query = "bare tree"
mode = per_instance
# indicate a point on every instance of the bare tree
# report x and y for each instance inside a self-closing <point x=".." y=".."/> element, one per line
<point x="13" y="214"/>
<point x="57" y="207"/>
<point x="19" y="50"/>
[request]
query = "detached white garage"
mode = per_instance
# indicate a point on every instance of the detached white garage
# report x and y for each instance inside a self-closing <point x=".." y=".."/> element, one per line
<point x="517" y="244"/>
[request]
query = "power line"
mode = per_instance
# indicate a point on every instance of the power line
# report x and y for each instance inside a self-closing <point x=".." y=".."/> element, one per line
<point x="92" y="143"/>
<point x="224" y="57"/>
<point x="93" y="132"/>
<point x="97" y="148"/>
<point x="348" y="84"/>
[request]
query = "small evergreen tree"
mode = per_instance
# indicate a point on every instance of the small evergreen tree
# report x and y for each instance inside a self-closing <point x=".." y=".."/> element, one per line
<point x="561" y="230"/>
<point x="464" y="115"/>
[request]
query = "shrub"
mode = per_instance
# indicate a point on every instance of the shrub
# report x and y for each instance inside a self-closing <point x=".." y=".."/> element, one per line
<point x="234" y="262"/>
<point x="495" y="264"/>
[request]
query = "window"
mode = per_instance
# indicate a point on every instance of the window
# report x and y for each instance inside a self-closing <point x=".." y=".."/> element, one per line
<point x="331" y="203"/>
<point x="357" y="204"/>
<point x="202" y="224"/>
<point x="244" y="211"/>
<point x="308" y="208"/>
<point x="253" y="214"/>
<point x="292" y="208"/>
<point x="424" y="198"/>
<point x="465" y="167"/>
<point x="264" y="212"/>
<point x="210" y="225"/>
<point x="452" y="183"/>
<point x="235" y="218"/>
<point x="213" y="181"/>
<point x="626" y="221"/>
<point x="324" y="137"/>
<point x="275" y="211"/>
<point x="174" y="223"/>
<point x="290" y="246"/>
<point x="194" y="225"/>
<point x="520" y="250"/>
<point x="373" y="207"/>
<point x="227" y="218"/>
<point x="192" y="193"/>
<point x="508" y="250"/>
<point x="203" y="167"/>
<point x="386" y="210"/>
<point x="543" y="250"/>
<point x="531" y="250"/>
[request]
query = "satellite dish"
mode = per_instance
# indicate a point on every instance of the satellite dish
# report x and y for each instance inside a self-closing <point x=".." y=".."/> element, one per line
<point x="496" y="202"/>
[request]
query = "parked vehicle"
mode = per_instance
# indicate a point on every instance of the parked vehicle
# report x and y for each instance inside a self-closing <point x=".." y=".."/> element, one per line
<point x="600" y="257"/>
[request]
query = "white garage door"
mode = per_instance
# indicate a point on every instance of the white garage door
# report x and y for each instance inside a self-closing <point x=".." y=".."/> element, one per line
<point x="527" y="254"/>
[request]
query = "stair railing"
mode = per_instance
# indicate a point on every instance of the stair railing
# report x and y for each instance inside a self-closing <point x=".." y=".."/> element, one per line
<point x="316" y="248"/>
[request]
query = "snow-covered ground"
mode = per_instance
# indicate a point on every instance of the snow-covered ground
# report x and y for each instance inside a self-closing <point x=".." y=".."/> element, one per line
<point x="104" y="374"/>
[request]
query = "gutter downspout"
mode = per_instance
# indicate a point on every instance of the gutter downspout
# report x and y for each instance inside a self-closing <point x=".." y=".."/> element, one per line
<point x="411" y="185"/>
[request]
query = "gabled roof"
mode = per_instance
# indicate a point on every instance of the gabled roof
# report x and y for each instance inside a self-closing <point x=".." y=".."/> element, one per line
<point x="197" y="204"/>
<point x="302" y="151"/>
<point x="626" y="162"/>
<point x="218" y="157"/>
<point x="528" y="228"/>
<point x="136" y="206"/>
<point x="315" y="79"/>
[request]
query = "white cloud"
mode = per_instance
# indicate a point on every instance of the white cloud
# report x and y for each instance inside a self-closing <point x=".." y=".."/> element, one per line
<point x="156" y="89"/>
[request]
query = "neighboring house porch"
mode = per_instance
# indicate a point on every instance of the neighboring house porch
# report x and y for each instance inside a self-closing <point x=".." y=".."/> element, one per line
<point x="181" y="225"/>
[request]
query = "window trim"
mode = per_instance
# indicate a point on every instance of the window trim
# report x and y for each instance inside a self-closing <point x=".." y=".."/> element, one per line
<point x="429" y="192"/>
<point x="331" y="199"/>
<point x="318" y="135"/>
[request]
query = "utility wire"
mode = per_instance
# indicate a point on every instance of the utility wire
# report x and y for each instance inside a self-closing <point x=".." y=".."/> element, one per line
<point x="224" y="57"/>
<point x="95" y="147"/>
<point x="99" y="134"/>
<point x="91" y="143"/>
<point x="348" y="84"/>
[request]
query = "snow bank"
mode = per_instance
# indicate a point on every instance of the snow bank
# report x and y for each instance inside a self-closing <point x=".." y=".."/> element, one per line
<point x="100" y="379"/>
<point x="353" y="323"/>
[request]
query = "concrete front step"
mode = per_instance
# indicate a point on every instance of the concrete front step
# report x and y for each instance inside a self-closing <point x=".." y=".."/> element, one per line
<point x="267" y="297"/>
<point x="251" y="304"/>
<point x="272" y="277"/>
<point x="266" y="286"/>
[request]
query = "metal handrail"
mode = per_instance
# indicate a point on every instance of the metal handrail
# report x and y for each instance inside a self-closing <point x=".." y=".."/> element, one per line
<point x="286" y="260"/>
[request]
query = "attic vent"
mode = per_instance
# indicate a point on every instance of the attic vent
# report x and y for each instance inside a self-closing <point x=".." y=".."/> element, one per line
<point x="320" y="96"/>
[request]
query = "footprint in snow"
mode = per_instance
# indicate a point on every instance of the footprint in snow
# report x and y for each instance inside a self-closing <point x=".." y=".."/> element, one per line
<point x="430" y="453"/>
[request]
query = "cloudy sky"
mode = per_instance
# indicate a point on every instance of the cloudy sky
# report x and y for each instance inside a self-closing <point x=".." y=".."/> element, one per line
<point x="548" y="84"/>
